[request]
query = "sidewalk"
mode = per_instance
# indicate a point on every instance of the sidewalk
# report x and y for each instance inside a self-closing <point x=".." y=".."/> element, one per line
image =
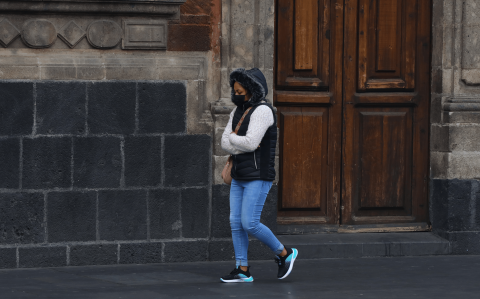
<point x="404" y="277"/>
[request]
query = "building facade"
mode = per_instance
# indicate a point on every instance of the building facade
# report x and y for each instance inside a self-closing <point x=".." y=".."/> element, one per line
<point x="111" y="114"/>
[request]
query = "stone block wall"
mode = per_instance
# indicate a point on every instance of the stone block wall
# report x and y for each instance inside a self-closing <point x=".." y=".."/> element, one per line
<point x="455" y="124"/>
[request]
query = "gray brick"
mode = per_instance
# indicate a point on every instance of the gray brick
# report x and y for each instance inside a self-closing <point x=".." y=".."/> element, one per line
<point x="221" y="212"/>
<point x="10" y="164"/>
<point x="111" y="107"/>
<point x="16" y="108"/>
<point x="122" y="215"/>
<point x="71" y="216"/>
<point x="21" y="218"/>
<point x="162" y="107"/>
<point x="221" y="251"/>
<point x="61" y="108"/>
<point x="164" y="209"/>
<point x="187" y="160"/>
<point x="195" y="213"/>
<point x="45" y="256"/>
<point x="143" y="161"/>
<point x="46" y="162"/>
<point x="186" y="251"/>
<point x="8" y="258"/>
<point x="97" y="162"/>
<point x="98" y="254"/>
<point x="141" y="253"/>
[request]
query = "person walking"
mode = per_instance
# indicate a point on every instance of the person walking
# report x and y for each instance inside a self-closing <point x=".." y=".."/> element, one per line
<point x="252" y="146"/>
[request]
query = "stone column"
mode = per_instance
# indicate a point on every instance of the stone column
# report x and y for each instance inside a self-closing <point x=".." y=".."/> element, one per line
<point x="455" y="117"/>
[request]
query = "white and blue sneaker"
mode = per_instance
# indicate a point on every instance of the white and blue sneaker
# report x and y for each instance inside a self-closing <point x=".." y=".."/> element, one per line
<point x="238" y="275"/>
<point x="285" y="263"/>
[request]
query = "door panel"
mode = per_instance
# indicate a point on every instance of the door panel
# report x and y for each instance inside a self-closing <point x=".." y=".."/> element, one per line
<point x="303" y="39"/>
<point x="386" y="103"/>
<point x="386" y="44"/>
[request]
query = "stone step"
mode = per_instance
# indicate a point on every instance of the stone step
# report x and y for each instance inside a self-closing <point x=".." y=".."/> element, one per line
<point x="318" y="246"/>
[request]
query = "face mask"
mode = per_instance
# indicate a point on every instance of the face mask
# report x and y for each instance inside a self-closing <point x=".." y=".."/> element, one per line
<point x="238" y="99"/>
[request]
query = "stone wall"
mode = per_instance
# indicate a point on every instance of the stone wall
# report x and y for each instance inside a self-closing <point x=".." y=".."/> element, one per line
<point x="455" y="129"/>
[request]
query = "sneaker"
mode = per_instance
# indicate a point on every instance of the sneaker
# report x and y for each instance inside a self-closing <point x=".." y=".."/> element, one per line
<point x="285" y="263"/>
<point x="238" y="275"/>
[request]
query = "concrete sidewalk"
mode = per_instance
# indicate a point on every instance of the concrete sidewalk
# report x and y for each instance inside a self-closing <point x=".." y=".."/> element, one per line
<point x="403" y="277"/>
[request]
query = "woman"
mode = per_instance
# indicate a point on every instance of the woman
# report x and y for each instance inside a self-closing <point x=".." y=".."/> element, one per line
<point x="253" y="171"/>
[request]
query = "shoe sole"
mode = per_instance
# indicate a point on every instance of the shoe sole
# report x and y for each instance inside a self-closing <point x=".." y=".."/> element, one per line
<point x="250" y="279"/>
<point x="295" y="255"/>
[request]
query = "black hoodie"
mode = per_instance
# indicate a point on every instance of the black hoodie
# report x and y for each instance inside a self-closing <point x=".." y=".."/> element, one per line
<point x="259" y="164"/>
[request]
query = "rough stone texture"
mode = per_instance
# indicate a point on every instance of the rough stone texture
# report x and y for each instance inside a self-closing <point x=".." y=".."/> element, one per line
<point x="111" y="107"/>
<point x="16" y="108"/>
<point x="164" y="210"/>
<point x="221" y="250"/>
<point x="9" y="161"/>
<point x="186" y="251"/>
<point x="194" y="211"/>
<point x="97" y="162"/>
<point x="47" y="256"/>
<point x="142" y="253"/>
<point x="104" y="34"/>
<point x="21" y="218"/>
<point x="455" y="215"/>
<point x="46" y="162"/>
<point x="60" y="108"/>
<point x="71" y="216"/>
<point x="8" y="258"/>
<point x="187" y="160"/>
<point x="162" y="107"/>
<point x="143" y="165"/>
<point x="122" y="215"/>
<point x="98" y="254"/>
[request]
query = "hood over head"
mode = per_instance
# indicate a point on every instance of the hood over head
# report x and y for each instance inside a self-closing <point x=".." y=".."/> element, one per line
<point x="253" y="81"/>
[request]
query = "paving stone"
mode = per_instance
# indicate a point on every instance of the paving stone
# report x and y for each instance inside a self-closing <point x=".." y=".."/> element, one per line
<point x="21" y="218"/>
<point x="141" y="253"/>
<point x="97" y="162"/>
<point x="61" y="108"/>
<point x="143" y="156"/>
<point x="71" y="216"/>
<point x="186" y="251"/>
<point x="97" y="254"/>
<point x="122" y="215"/>
<point x="187" y="160"/>
<point x="164" y="209"/>
<point x="8" y="258"/>
<point x="10" y="163"/>
<point x="111" y="107"/>
<point x="162" y="107"/>
<point x="45" y="256"/>
<point x="195" y="213"/>
<point x="221" y="212"/>
<point x="16" y="108"/>
<point x="47" y="162"/>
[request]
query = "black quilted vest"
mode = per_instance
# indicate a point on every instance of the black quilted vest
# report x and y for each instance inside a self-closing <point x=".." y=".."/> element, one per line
<point x="259" y="164"/>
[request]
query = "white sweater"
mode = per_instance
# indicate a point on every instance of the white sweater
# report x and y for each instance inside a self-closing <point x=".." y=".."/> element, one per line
<point x="260" y="120"/>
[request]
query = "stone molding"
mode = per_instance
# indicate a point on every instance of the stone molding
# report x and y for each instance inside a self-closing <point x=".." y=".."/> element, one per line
<point x="465" y="103"/>
<point x="131" y="7"/>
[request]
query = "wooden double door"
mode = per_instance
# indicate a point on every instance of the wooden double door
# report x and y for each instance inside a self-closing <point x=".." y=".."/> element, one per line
<point x="352" y="88"/>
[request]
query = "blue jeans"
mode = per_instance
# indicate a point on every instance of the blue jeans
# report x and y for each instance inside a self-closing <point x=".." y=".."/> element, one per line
<point x="246" y="204"/>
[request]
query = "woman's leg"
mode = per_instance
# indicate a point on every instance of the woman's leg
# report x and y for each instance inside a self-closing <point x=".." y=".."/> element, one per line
<point x="239" y="235"/>
<point x="254" y="196"/>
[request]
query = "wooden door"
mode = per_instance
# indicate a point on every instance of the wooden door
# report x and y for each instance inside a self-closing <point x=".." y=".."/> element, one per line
<point x="308" y="97"/>
<point x="352" y="94"/>
<point x="386" y="118"/>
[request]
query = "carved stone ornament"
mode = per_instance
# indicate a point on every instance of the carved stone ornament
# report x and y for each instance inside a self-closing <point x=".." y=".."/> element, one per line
<point x="39" y="33"/>
<point x="145" y="34"/>
<point x="71" y="34"/>
<point x="104" y="34"/>
<point x="8" y="32"/>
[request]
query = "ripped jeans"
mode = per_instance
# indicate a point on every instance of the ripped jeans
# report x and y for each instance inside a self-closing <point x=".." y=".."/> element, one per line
<point x="246" y="204"/>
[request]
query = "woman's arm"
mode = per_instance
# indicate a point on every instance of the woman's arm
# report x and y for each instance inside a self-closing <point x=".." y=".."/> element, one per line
<point x="226" y="145"/>
<point x="260" y="121"/>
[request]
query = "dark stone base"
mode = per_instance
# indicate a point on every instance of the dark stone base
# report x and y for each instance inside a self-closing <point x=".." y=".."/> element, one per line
<point x="455" y="213"/>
